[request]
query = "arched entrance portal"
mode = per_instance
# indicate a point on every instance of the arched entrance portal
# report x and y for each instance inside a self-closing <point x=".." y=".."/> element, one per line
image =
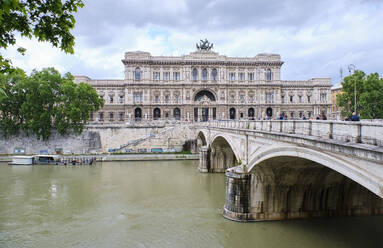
<point x="269" y="112"/>
<point x="204" y="94"/>
<point x="156" y="113"/>
<point x="137" y="114"/>
<point x="177" y="113"/>
<point x="205" y="98"/>
<point x="232" y="113"/>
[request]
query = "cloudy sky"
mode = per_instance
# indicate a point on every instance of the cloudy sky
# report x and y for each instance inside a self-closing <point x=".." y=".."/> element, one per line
<point x="314" y="38"/>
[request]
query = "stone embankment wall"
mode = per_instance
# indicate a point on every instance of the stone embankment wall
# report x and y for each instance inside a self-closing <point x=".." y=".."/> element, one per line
<point x="98" y="139"/>
<point x="87" y="142"/>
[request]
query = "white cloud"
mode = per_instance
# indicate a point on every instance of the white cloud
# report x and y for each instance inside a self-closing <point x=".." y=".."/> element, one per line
<point x="314" y="38"/>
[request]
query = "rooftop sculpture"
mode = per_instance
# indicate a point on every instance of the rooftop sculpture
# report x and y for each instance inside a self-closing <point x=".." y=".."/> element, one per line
<point x="204" y="45"/>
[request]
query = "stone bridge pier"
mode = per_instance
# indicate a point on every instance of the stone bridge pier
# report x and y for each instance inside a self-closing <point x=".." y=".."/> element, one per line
<point x="290" y="188"/>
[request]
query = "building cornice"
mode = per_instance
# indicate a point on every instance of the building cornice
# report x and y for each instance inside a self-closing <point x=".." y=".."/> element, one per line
<point x="201" y="62"/>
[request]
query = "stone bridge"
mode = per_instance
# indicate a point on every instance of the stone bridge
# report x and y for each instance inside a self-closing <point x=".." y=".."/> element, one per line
<point x="295" y="169"/>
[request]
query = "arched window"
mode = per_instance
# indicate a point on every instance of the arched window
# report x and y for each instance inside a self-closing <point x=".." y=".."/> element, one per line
<point x="214" y="74"/>
<point x="177" y="113"/>
<point x="232" y="113"/>
<point x="204" y="74"/>
<point x="268" y="74"/>
<point x="195" y="74"/>
<point x="156" y="113"/>
<point x="250" y="113"/>
<point x="137" y="114"/>
<point x="137" y="74"/>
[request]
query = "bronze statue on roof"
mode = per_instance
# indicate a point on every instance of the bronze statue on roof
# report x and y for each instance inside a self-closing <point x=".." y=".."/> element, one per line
<point x="204" y="45"/>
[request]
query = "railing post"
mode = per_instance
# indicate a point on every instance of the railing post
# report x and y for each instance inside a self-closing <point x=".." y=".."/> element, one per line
<point x="331" y="129"/>
<point x="280" y="126"/>
<point x="359" y="137"/>
<point x="310" y="128"/>
<point x="293" y="131"/>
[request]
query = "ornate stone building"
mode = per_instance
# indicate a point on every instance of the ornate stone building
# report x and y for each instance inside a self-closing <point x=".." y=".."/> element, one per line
<point x="205" y="85"/>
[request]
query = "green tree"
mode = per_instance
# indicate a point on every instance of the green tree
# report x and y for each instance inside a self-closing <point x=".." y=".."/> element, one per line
<point x="11" y="118"/>
<point x="371" y="98"/>
<point x="369" y="95"/>
<point x="44" y="101"/>
<point x="46" y="20"/>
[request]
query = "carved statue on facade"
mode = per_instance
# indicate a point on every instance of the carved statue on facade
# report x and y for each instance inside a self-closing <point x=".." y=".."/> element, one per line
<point x="204" y="45"/>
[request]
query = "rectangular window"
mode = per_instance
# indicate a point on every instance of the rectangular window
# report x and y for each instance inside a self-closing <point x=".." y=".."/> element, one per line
<point x="251" y="98"/>
<point x="111" y="116"/>
<point x="251" y="76"/>
<point x="91" y="116"/>
<point x="156" y="75"/>
<point x="241" y="76"/>
<point x="323" y="97"/>
<point x="121" y="116"/>
<point x="166" y="75"/>
<point x="291" y="99"/>
<point x="176" y="98"/>
<point x="300" y="99"/>
<point x="232" y="98"/>
<point x="157" y="98"/>
<point x="137" y="97"/>
<point x="121" y="99"/>
<point x="176" y="76"/>
<point x="283" y="99"/>
<point x="269" y="97"/>
<point x="101" y="116"/>
<point x="196" y="114"/>
<point x="111" y="99"/>
<point x="214" y="113"/>
<point x="308" y="98"/>
<point x="232" y="76"/>
<point x="242" y="98"/>
<point x="167" y="98"/>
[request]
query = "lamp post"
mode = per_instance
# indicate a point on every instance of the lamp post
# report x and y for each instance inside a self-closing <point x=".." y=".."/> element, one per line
<point x="351" y="67"/>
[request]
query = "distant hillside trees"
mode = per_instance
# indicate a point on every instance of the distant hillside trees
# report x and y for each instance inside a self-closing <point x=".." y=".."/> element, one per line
<point x="43" y="101"/>
<point x="369" y="95"/>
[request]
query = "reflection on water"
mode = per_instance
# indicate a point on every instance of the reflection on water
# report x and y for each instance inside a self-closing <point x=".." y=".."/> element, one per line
<point x="148" y="204"/>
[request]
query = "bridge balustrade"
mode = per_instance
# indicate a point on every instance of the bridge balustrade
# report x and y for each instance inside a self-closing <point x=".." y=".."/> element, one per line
<point x="356" y="132"/>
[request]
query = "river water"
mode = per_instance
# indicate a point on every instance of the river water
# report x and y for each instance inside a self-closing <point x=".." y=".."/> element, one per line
<point x="148" y="204"/>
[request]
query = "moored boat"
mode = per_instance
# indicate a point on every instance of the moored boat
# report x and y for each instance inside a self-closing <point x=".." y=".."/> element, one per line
<point x="22" y="160"/>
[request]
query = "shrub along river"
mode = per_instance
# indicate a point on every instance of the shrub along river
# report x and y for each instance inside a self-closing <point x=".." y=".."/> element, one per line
<point x="148" y="204"/>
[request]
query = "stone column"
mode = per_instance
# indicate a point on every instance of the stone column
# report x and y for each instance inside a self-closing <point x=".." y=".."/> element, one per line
<point x="203" y="159"/>
<point x="238" y="196"/>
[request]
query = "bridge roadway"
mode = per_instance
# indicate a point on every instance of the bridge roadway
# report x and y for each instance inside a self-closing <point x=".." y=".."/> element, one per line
<point x="295" y="168"/>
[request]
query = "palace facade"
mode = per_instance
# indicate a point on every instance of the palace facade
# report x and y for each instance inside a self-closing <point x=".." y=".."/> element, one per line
<point x="205" y="85"/>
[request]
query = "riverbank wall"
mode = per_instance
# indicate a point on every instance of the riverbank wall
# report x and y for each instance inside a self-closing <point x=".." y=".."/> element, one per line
<point x="98" y="139"/>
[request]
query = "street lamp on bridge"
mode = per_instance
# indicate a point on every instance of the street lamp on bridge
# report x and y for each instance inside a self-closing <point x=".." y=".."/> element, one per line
<point x="351" y="67"/>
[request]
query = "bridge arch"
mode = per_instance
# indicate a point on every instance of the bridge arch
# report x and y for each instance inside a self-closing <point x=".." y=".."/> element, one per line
<point x="222" y="154"/>
<point x="289" y="182"/>
<point x="201" y="139"/>
<point x="346" y="168"/>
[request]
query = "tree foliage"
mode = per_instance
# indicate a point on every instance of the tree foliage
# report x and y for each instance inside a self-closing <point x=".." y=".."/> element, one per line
<point x="369" y="95"/>
<point x="47" y="20"/>
<point x="43" y="101"/>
